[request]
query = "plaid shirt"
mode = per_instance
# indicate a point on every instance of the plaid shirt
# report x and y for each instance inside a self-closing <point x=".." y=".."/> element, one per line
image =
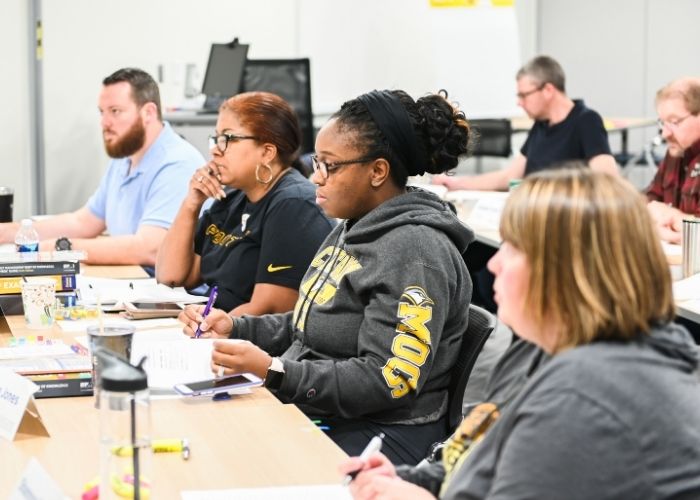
<point x="677" y="181"/>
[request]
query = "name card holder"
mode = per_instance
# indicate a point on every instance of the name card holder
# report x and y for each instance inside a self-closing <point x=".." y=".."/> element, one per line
<point x="18" y="412"/>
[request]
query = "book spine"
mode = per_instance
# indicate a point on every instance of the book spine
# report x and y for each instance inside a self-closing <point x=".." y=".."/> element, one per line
<point x="13" y="269"/>
<point x="11" y="285"/>
<point x="62" y="385"/>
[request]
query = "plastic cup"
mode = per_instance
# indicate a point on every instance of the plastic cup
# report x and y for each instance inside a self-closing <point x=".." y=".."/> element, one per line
<point x="38" y="300"/>
<point x="115" y="338"/>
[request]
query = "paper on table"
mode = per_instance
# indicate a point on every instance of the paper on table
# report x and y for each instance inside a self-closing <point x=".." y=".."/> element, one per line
<point x="688" y="288"/>
<point x="140" y="324"/>
<point x="310" y="492"/>
<point x="116" y="291"/>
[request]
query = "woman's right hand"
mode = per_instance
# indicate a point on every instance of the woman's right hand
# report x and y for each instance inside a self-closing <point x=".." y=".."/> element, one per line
<point x="217" y="325"/>
<point x="376" y="465"/>
<point x="205" y="183"/>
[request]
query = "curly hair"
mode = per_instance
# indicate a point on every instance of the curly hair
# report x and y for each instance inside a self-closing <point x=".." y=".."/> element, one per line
<point x="440" y="125"/>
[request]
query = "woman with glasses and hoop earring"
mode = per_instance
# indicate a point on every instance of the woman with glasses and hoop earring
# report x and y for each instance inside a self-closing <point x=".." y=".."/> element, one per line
<point x="256" y="240"/>
<point x="383" y="307"/>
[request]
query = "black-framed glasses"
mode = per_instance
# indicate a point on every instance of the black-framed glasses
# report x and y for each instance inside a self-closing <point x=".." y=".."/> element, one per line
<point x="325" y="168"/>
<point x="221" y="141"/>
<point x="672" y="124"/>
<point x="523" y="95"/>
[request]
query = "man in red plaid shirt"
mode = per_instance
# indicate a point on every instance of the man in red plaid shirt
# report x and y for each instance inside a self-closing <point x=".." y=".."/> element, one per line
<point x="674" y="194"/>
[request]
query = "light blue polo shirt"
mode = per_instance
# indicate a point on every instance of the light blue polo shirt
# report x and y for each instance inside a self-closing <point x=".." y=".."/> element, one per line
<point x="151" y="194"/>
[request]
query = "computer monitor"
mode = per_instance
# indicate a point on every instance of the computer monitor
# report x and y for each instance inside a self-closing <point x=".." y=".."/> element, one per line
<point x="224" y="73"/>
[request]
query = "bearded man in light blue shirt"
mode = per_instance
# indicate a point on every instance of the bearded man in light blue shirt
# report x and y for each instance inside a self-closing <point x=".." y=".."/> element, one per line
<point x="144" y="185"/>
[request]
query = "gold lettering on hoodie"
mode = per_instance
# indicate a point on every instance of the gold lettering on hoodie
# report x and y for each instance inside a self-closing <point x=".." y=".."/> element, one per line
<point x="411" y="346"/>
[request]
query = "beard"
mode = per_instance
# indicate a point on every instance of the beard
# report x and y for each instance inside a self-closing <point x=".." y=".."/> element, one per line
<point x="129" y="143"/>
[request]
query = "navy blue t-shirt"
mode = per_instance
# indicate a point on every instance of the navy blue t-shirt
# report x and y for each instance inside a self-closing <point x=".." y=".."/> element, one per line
<point x="272" y="241"/>
<point x="581" y="136"/>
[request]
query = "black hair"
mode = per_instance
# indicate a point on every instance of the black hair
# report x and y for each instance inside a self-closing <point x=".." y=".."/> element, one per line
<point x="144" y="89"/>
<point x="441" y="127"/>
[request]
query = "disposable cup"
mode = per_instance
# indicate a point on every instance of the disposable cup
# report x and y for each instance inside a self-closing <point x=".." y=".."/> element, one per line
<point x="38" y="300"/>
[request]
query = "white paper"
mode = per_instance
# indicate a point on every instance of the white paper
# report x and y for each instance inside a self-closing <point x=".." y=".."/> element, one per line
<point x="170" y="362"/>
<point x="37" y="484"/>
<point x="117" y="291"/>
<point x="310" y="492"/>
<point x="687" y="289"/>
<point x="139" y="324"/>
<point x="15" y="392"/>
<point x="486" y="213"/>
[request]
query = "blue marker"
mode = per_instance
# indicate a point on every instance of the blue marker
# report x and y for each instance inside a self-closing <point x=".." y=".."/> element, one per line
<point x="207" y="308"/>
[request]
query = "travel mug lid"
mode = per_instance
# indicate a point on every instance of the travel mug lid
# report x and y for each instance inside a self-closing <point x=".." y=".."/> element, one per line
<point x="118" y="375"/>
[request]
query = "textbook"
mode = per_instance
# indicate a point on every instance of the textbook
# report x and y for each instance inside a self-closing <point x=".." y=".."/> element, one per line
<point x="11" y="284"/>
<point x="39" y="268"/>
<point x="58" y="385"/>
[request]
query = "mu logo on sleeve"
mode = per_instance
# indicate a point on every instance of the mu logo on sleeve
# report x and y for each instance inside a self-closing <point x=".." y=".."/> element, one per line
<point x="411" y="346"/>
<point x="330" y="264"/>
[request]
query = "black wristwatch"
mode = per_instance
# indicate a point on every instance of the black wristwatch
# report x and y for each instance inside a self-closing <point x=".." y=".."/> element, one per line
<point x="63" y="243"/>
<point x="275" y="374"/>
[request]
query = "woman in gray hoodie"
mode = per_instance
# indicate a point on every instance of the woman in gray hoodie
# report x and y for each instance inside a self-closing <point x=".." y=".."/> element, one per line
<point x="382" y="308"/>
<point x="614" y="413"/>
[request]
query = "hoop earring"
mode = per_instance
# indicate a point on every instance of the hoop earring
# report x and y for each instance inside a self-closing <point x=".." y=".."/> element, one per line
<point x="257" y="173"/>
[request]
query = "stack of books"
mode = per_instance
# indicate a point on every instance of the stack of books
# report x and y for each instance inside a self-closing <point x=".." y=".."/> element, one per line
<point x="61" y="267"/>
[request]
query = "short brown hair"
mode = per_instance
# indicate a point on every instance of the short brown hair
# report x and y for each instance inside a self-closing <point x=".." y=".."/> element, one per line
<point x="596" y="264"/>
<point x="144" y="88"/>
<point x="544" y="69"/>
<point x="686" y="89"/>
<point x="269" y="118"/>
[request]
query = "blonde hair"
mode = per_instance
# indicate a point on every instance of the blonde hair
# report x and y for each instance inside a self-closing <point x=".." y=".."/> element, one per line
<point x="597" y="270"/>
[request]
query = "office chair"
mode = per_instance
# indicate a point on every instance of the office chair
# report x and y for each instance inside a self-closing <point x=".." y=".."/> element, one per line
<point x="289" y="79"/>
<point x="493" y="138"/>
<point x="481" y="324"/>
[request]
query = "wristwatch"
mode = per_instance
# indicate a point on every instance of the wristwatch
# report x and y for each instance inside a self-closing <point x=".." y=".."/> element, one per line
<point x="63" y="243"/>
<point x="275" y="374"/>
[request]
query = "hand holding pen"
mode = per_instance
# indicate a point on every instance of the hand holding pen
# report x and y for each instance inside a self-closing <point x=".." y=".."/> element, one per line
<point x="207" y="308"/>
<point x="374" y="445"/>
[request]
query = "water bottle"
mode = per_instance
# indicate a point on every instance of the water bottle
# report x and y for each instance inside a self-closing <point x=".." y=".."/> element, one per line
<point x="27" y="239"/>
<point x="125" y="430"/>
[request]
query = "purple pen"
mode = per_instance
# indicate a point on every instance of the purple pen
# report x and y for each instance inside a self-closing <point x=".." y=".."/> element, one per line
<point x="207" y="308"/>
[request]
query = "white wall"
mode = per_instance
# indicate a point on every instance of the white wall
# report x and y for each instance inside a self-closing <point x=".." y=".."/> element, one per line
<point x="14" y="126"/>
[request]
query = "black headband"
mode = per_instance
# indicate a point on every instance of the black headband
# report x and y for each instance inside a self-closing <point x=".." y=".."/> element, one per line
<point x="395" y="123"/>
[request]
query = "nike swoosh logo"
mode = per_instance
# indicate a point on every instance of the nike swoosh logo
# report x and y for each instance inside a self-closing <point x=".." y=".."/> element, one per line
<point x="274" y="269"/>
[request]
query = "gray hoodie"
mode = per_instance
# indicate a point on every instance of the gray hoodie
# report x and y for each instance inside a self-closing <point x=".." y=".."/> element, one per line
<point x="604" y="420"/>
<point x="380" y="316"/>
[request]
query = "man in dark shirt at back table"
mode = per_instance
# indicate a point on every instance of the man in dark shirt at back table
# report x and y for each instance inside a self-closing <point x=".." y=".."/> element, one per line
<point x="564" y="129"/>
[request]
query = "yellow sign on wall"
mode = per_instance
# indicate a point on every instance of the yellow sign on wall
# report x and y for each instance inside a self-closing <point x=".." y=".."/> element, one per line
<point x="454" y="3"/>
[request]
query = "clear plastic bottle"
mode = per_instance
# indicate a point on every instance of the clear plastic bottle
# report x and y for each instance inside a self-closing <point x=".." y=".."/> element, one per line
<point x="27" y="239"/>
<point x="125" y="430"/>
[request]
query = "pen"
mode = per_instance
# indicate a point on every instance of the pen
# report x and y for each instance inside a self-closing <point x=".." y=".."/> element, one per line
<point x="207" y="308"/>
<point x="374" y="445"/>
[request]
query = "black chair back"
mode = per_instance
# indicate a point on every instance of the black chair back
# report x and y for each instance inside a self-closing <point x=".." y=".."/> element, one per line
<point x="494" y="137"/>
<point x="289" y="79"/>
<point x="481" y="324"/>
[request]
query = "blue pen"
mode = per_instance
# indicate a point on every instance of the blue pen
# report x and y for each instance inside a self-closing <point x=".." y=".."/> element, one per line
<point x="207" y="308"/>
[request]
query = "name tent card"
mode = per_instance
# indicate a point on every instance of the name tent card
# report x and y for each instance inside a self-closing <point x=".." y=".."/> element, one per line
<point x="37" y="484"/>
<point x="18" y="413"/>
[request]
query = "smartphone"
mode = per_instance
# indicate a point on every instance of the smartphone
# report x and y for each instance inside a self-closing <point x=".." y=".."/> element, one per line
<point x="218" y="385"/>
<point x="156" y="306"/>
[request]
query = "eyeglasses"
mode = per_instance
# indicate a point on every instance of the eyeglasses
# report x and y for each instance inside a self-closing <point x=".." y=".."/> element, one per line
<point x="221" y="141"/>
<point x="672" y="124"/>
<point x="523" y="95"/>
<point x="325" y="168"/>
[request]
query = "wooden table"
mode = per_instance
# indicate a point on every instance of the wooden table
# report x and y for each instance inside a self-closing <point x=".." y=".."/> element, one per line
<point x="250" y="440"/>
